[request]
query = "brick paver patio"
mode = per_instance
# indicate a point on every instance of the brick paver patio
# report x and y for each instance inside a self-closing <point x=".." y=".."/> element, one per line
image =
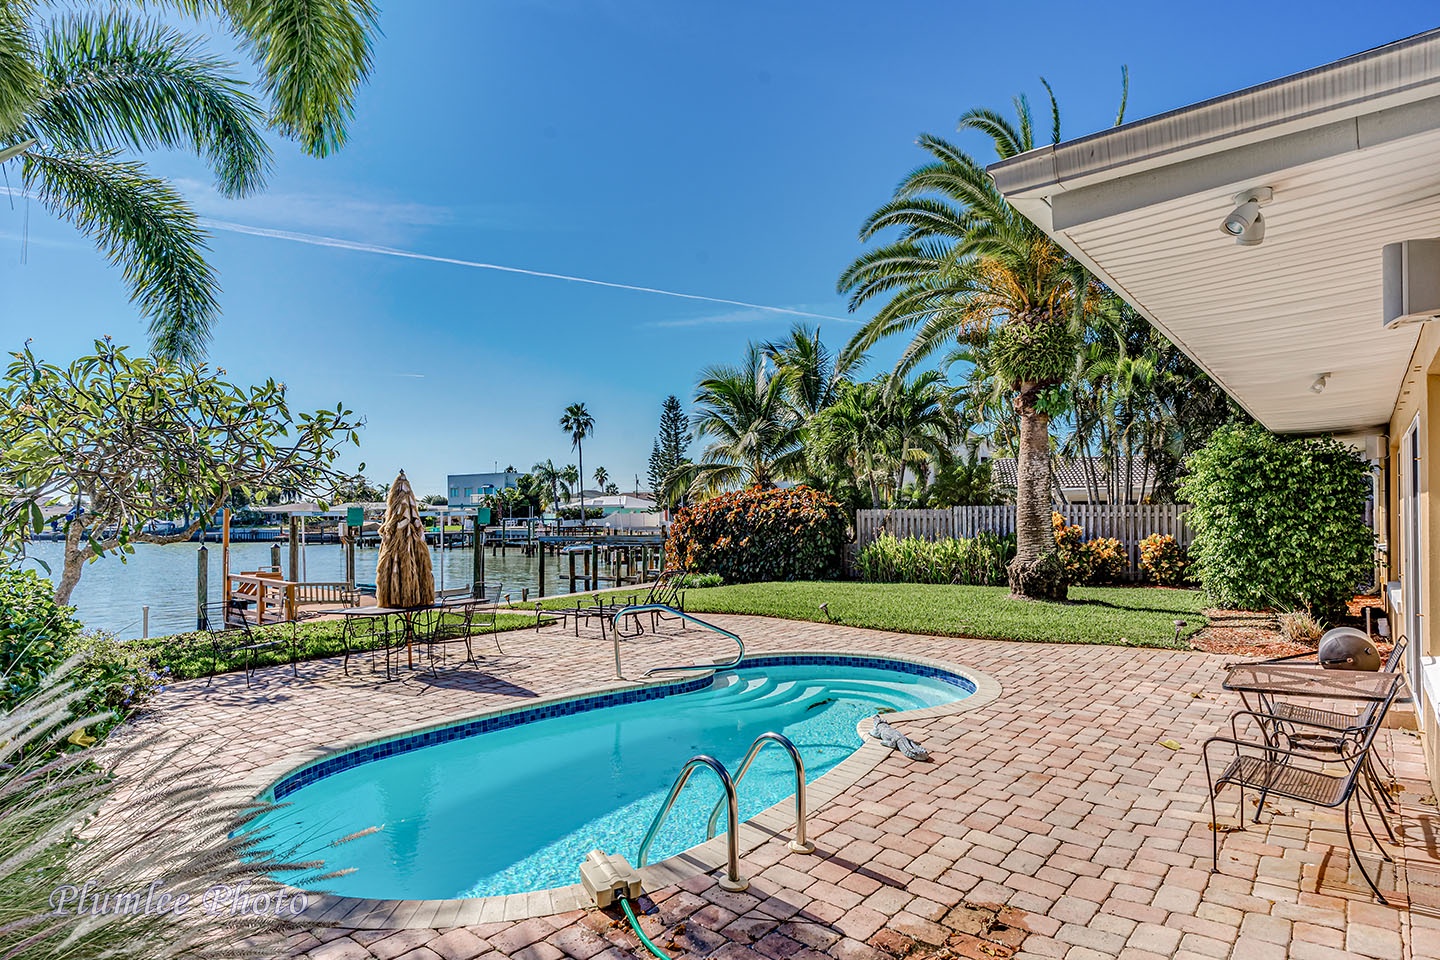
<point x="1051" y="822"/>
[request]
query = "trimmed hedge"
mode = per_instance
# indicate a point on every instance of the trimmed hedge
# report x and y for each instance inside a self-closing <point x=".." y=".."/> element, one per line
<point x="1279" y="521"/>
<point x="756" y="534"/>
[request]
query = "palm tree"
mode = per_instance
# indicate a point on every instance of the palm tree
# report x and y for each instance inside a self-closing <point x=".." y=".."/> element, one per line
<point x="577" y="422"/>
<point x="81" y="91"/>
<point x="602" y="478"/>
<point x="967" y="262"/>
<point x="756" y="436"/>
<point x="555" y="478"/>
<point x="813" y="374"/>
<point x="920" y="420"/>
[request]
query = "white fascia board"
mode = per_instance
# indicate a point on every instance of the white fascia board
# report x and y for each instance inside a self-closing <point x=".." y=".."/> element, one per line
<point x="1375" y="80"/>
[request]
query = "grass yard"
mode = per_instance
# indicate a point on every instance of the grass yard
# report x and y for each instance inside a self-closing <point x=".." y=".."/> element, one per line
<point x="190" y="655"/>
<point x="1126" y="616"/>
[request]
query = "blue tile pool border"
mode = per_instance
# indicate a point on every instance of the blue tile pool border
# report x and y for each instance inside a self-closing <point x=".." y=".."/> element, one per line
<point x="405" y="743"/>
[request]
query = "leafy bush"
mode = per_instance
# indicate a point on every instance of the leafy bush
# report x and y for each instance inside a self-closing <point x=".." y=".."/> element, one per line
<point x="691" y="581"/>
<point x="979" y="561"/>
<point x="1107" y="560"/>
<point x="1278" y="520"/>
<point x="117" y="676"/>
<point x="756" y="534"/>
<point x="35" y="633"/>
<point x="1164" y="560"/>
<point x="1070" y="548"/>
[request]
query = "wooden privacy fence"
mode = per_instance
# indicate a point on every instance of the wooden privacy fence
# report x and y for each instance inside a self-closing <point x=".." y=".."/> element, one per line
<point x="1127" y="522"/>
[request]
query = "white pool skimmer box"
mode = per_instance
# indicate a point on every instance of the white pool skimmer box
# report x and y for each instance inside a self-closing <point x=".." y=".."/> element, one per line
<point x="607" y="877"/>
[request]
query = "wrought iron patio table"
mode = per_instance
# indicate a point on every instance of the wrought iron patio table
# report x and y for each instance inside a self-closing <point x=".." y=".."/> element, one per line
<point x="1269" y="680"/>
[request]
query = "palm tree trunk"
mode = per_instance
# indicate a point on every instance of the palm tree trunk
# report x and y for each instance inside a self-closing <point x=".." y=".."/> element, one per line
<point x="580" y="448"/>
<point x="1036" y="572"/>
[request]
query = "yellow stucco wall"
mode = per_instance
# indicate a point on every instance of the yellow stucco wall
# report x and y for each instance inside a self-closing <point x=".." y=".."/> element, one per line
<point x="1419" y="397"/>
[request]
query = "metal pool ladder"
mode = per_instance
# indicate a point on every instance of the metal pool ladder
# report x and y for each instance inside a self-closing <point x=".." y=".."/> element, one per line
<point x="636" y="609"/>
<point x="732" y="880"/>
<point x="800" y="844"/>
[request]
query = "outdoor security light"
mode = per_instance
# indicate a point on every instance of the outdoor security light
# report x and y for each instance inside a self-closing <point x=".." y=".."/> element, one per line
<point x="1319" y="385"/>
<point x="1245" y="223"/>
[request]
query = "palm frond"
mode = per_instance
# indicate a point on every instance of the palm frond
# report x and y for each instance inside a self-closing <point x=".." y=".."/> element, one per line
<point x="19" y="80"/>
<point x="143" y="226"/>
<point x="313" y="55"/>
<point x="112" y="83"/>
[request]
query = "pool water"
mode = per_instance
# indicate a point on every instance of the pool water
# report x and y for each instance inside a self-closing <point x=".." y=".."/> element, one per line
<point x="517" y="809"/>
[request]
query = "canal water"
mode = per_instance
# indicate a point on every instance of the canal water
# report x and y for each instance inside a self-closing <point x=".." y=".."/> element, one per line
<point x="111" y="593"/>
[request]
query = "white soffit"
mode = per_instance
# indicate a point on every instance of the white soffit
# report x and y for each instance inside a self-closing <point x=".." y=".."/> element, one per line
<point x="1265" y="321"/>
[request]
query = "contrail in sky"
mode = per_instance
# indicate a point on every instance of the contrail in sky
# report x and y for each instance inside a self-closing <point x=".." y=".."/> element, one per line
<point x="339" y="244"/>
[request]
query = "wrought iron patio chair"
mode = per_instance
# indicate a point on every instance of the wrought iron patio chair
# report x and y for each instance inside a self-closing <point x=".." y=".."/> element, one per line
<point x="1298" y="775"/>
<point x="457" y="622"/>
<point x="1327" y="729"/>
<point x="236" y="638"/>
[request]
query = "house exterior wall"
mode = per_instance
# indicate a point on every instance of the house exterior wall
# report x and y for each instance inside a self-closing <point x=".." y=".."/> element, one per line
<point x="1419" y="397"/>
<point x="463" y="488"/>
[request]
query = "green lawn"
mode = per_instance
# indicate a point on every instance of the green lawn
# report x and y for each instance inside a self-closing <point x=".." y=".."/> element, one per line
<point x="190" y="655"/>
<point x="1127" y="616"/>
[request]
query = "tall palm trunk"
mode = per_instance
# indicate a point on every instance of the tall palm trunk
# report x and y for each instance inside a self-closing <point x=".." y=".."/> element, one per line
<point x="580" y="447"/>
<point x="1036" y="571"/>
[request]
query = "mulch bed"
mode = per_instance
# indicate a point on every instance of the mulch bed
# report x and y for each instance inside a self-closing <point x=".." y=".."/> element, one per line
<point x="1255" y="635"/>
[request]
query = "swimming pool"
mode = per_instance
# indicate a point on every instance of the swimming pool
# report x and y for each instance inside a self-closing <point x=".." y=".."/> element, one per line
<point x="513" y="802"/>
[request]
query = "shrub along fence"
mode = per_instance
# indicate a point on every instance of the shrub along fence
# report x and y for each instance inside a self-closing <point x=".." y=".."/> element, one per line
<point x="1130" y="523"/>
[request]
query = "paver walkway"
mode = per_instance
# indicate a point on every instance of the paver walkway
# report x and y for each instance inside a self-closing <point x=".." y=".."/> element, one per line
<point x="1050" y="824"/>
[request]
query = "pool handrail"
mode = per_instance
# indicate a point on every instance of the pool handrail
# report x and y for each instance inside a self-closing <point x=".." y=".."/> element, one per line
<point x="799" y="844"/>
<point x="636" y="609"/>
<point x="732" y="880"/>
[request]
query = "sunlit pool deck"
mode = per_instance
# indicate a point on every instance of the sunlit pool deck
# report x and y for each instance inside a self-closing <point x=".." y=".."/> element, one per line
<point x="1051" y="822"/>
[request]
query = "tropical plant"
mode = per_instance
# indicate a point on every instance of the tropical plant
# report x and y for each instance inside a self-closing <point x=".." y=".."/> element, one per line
<point x="813" y="374"/>
<point x="755" y="436"/>
<point x="577" y="422"/>
<point x="128" y="439"/>
<point x="1279" y="521"/>
<point x="80" y="92"/>
<point x="967" y="263"/>
<point x="759" y="533"/>
<point x="1164" y="560"/>
<point x="554" y="478"/>
<point x="1137" y="407"/>
<point x="602" y="477"/>
<point x="879" y="433"/>
<point x="978" y="561"/>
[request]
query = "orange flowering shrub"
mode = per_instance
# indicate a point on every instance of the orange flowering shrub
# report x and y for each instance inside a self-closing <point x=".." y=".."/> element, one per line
<point x="755" y="534"/>
<point x="1101" y="560"/>
<point x="1164" y="560"/>
<point x="1107" y="560"/>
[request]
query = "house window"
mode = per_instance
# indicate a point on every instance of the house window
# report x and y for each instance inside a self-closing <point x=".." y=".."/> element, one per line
<point x="467" y="491"/>
<point x="454" y="491"/>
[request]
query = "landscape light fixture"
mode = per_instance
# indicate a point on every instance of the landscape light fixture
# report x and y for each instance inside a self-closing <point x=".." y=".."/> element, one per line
<point x="1319" y="385"/>
<point x="1245" y="223"/>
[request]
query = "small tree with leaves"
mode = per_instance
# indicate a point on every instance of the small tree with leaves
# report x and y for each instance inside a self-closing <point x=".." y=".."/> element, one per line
<point x="132" y="439"/>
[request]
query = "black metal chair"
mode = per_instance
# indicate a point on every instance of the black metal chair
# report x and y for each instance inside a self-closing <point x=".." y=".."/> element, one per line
<point x="1297" y="774"/>
<point x="236" y="638"/>
<point x="1325" y="730"/>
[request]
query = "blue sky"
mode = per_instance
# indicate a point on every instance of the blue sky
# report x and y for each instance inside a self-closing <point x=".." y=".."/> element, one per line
<point x="722" y="149"/>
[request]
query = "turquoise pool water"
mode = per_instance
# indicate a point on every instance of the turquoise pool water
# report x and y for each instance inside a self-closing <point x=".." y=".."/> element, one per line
<point x="517" y="808"/>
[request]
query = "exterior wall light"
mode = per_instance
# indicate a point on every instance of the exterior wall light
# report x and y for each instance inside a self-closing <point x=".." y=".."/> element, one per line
<point x="1319" y="385"/>
<point x="1245" y="223"/>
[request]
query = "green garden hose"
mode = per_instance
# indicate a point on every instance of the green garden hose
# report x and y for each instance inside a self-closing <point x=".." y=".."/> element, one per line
<point x="635" y="922"/>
